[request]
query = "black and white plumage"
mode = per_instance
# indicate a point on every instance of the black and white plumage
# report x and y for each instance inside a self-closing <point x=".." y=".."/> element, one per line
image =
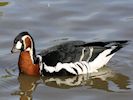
<point x="69" y="58"/>
<point x="78" y="57"/>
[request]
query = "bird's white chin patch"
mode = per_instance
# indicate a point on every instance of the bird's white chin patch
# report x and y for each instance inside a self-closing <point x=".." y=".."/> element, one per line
<point x="18" y="45"/>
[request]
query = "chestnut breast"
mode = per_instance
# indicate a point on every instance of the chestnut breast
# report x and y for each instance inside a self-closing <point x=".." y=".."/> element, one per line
<point x="26" y="65"/>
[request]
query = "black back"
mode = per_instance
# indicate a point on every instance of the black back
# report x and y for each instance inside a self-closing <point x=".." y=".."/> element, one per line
<point x="69" y="52"/>
<point x="72" y="51"/>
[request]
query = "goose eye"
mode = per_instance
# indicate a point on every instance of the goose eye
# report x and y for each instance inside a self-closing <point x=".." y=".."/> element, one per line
<point x="15" y="41"/>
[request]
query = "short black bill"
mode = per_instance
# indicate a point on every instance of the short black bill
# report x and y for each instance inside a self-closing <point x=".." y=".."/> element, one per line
<point x="14" y="50"/>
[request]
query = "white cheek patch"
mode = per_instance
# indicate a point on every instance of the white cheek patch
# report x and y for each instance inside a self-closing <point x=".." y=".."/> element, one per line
<point x="18" y="45"/>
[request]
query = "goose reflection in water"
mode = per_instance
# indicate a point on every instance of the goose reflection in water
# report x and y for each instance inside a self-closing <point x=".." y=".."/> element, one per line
<point x="100" y="80"/>
<point x="28" y="84"/>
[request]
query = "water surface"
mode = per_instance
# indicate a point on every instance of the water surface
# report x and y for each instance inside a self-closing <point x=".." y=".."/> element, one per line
<point x="54" y="21"/>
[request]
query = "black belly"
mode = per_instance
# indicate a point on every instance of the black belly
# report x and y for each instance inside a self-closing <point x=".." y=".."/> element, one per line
<point x="62" y="72"/>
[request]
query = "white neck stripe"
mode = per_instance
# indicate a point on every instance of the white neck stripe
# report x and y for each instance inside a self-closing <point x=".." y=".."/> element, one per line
<point x="29" y="49"/>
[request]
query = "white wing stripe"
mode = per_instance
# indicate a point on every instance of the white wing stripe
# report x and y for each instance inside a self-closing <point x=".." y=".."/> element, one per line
<point x="90" y="55"/>
<point x="82" y="54"/>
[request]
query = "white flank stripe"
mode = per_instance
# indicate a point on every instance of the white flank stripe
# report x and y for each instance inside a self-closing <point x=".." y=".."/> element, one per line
<point x="69" y="67"/>
<point x="101" y="60"/>
<point x="82" y="55"/>
<point x="83" y="68"/>
<point x="77" y="67"/>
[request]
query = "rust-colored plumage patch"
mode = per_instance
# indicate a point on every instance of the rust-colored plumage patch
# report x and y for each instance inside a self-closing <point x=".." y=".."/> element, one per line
<point x="28" y="42"/>
<point x="26" y="65"/>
